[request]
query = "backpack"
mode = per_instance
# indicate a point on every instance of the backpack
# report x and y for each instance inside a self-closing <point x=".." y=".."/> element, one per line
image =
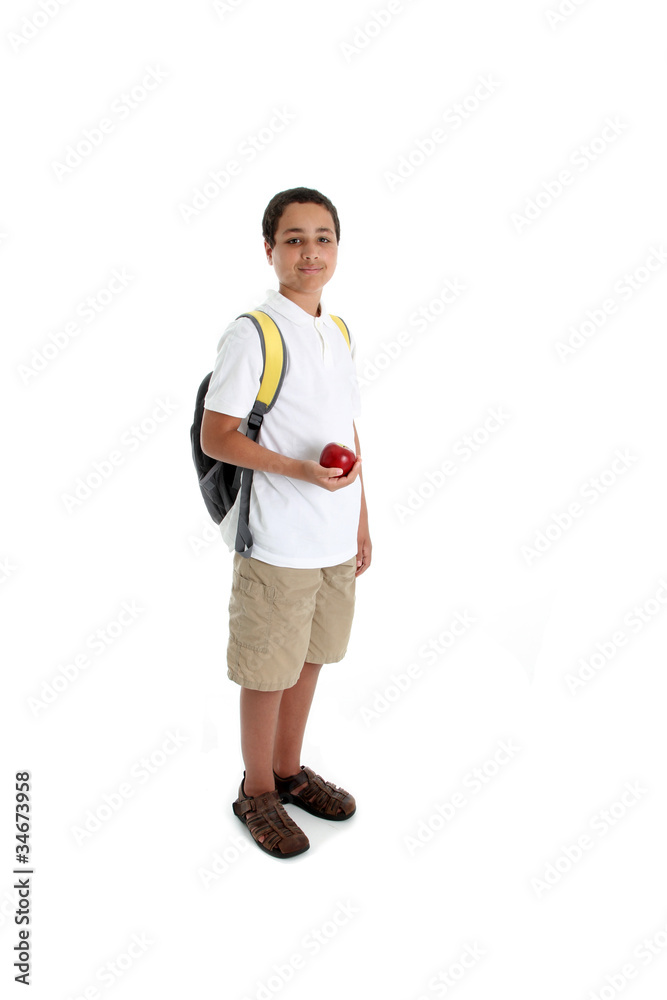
<point x="220" y="481"/>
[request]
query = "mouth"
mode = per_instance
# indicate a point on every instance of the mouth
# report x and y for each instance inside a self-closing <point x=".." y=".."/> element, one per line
<point x="310" y="270"/>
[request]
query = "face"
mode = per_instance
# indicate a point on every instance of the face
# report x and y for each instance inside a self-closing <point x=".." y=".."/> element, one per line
<point x="305" y="251"/>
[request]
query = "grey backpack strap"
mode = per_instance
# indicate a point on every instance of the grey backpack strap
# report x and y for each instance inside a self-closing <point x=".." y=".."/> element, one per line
<point x="243" y="536"/>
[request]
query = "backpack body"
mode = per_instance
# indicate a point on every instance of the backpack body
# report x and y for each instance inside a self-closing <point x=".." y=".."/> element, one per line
<point x="220" y="482"/>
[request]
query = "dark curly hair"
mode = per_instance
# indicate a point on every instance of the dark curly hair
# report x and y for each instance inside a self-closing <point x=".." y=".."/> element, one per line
<point x="279" y="203"/>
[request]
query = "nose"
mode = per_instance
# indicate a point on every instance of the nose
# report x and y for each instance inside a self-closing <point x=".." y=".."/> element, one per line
<point x="310" y="251"/>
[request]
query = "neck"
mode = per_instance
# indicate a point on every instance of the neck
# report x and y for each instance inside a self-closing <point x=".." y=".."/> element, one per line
<point x="310" y="302"/>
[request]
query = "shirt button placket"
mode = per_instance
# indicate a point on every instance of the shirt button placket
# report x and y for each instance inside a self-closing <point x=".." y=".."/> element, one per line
<point x="318" y="327"/>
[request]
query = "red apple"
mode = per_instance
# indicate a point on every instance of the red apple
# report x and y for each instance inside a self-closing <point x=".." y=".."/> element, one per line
<point x="337" y="456"/>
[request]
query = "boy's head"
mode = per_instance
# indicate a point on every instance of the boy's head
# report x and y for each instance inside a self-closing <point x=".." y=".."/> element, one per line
<point x="301" y="232"/>
<point x="279" y="203"/>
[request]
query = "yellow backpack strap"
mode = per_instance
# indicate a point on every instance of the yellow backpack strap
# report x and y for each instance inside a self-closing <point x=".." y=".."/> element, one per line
<point x="343" y="329"/>
<point x="273" y="373"/>
<point x="274" y="355"/>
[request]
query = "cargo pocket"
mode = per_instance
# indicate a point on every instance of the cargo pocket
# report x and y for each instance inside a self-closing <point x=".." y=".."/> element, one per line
<point x="251" y="608"/>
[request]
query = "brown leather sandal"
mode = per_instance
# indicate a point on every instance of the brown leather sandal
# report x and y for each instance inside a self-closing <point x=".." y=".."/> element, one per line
<point x="264" y="816"/>
<point x="319" y="797"/>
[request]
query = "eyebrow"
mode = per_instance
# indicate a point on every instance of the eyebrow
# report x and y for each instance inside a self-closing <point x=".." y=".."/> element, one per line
<point x="320" y="229"/>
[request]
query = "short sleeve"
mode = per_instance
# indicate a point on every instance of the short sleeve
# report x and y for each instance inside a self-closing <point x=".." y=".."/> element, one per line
<point x="237" y="373"/>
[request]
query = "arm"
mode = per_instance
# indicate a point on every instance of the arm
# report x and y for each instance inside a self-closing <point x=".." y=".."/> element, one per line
<point x="222" y="440"/>
<point x="364" y="546"/>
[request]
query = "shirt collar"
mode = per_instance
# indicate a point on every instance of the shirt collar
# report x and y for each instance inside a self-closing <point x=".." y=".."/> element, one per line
<point x="295" y="313"/>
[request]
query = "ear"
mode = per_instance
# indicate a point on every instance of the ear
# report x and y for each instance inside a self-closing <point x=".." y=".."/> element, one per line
<point x="269" y="252"/>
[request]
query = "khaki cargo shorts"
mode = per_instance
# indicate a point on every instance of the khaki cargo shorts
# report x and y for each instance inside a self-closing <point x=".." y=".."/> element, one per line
<point x="283" y="616"/>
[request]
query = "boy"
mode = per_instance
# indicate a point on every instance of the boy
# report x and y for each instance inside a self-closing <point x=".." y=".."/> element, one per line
<point x="292" y="601"/>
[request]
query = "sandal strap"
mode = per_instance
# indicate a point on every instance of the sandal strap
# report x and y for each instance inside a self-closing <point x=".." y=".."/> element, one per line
<point x="256" y="802"/>
<point x="271" y="820"/>
<point x="321" y="794"/>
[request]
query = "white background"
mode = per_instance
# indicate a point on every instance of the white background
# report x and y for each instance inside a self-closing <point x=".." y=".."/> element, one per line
<point x="494" y="877"/>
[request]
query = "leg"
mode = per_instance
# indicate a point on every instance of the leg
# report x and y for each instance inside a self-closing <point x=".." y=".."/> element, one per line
<point x="270" y="609"/>
<point x="259" y="718"/>
<point x="292" y="718"/>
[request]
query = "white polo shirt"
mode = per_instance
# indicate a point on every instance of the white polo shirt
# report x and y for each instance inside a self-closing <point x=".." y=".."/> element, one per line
<point x="292" y="522"/>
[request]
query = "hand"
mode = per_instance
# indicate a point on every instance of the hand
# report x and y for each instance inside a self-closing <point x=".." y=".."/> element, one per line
<point x="329" y="479"/>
